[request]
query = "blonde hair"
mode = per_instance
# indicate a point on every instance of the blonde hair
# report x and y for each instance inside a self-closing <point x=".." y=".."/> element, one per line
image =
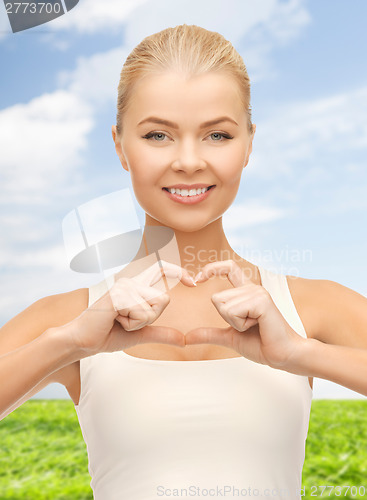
<point x="188" y="49"/>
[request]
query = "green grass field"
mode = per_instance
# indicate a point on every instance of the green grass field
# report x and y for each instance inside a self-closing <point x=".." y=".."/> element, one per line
<point x="43" y="455"/>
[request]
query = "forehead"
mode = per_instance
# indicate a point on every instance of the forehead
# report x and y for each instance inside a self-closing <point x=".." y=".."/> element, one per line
<point x="174" y="95"/>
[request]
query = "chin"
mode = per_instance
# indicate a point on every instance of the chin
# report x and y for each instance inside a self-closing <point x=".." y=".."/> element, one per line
<point x="185" y="226"/>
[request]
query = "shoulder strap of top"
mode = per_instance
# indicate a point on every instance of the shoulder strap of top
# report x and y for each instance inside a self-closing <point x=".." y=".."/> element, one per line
<point x="98" y="289"/>
<point x="277" y="285"/>
<point x="95" y="292"/>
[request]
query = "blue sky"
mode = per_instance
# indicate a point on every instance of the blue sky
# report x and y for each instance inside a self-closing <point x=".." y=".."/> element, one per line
<point x="302" y="205"/>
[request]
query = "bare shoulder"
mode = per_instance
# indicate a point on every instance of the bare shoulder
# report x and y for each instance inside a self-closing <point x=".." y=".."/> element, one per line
<point x="47" y="312"/>
<point x="64" y="307"/>
<point x="330" y="312"/>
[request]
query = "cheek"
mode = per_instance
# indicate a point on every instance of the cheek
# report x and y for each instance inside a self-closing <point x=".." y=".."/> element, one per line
<point x="230" y="163"/>
<point x="143" y="170"/>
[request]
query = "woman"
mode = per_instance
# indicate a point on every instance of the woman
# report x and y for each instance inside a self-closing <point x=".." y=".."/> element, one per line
<point x="169" y="397"/>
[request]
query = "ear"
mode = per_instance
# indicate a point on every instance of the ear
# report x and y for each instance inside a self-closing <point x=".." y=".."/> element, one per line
<point x="249" y="151"/>
<point x="118" y="148"/>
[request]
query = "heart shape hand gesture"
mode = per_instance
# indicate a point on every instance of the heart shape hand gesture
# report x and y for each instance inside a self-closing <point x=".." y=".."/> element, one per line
<point x="122" y="317"/>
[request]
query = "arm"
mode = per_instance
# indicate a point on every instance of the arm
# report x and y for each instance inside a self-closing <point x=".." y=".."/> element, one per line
<point x="335" y="318"/>
<point x="345" y="366"/>
<point x="24" y="368"/>
<point x="30" y="357"/>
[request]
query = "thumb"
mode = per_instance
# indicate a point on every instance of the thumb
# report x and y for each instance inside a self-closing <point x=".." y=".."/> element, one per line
<point x="212" y="335"/>
<point x="160" y="335"/>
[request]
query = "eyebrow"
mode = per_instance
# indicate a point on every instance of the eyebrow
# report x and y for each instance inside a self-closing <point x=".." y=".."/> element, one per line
<point x="161" y="121"/>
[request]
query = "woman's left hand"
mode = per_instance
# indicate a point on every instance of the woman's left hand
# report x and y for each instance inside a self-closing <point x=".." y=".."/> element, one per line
<point x="258" y="330"/>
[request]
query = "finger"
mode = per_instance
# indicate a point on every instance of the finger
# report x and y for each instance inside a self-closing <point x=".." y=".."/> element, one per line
<point x="137" y="305"/>
<point x="158" y="303"/>
<point x="244" y="310"/>
<point x="127" y="293"/>
<point x="121" y="339"/>
<point x="126" y="297"/>
<point x="137" y="318"/>
<point x="149" y="293"/>
<point x="161" y="335"/>
<point x="211" y="335"/>
<point x="162" y="268"/>
<point x="242" y="292"/>
<point x="156" y="300"/>
<point x="236" y="314"/>
<point x="224" y="268"/>
<point x="133" y="309"/>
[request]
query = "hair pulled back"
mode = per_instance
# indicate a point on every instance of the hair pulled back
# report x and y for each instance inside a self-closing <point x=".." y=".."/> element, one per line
<point x="188" y="49"/>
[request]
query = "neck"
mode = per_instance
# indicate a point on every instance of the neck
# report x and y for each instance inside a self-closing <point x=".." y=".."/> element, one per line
<point x="190" y="250"/>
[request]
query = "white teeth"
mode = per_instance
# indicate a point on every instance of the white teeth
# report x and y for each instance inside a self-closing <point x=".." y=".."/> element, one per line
<point x="186" y="192"/>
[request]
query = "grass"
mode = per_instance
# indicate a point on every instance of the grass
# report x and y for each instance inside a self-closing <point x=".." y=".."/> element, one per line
<point x="43" y="455"/>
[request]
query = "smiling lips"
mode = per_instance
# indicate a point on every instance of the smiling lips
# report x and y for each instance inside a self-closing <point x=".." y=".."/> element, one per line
<point x="196" y="193"/>
<point x="188" y="186"/>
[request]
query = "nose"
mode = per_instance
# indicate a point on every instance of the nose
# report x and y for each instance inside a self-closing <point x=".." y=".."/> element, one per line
<point x="187" y="158"/>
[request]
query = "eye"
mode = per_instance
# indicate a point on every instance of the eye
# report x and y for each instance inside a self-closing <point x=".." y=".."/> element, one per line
<point x="158" y="135"/>
<point x="220" y="134"/>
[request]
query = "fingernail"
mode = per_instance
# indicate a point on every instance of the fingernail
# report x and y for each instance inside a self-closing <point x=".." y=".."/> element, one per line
<point x="193" y="281"/>
<point x="198" y="276"/>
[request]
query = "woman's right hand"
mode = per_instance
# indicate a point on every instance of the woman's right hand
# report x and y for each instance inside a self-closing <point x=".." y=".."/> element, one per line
<point x="121" y="317"/>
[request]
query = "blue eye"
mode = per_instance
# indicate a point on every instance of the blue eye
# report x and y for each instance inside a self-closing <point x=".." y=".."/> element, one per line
<point x="154" y="134"/>
<point x="226" y="136"/>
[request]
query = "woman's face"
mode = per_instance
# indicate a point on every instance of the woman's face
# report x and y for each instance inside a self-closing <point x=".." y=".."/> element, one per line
<point x="166" y="141"/>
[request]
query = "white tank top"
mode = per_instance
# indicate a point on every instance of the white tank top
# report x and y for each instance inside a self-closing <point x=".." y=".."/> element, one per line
<point x="215" y="428"/>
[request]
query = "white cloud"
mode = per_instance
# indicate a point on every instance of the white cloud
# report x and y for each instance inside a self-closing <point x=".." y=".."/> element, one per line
<point x="288" y="19"/>
<point x="280" y="19"/>
<point x="42" y="142"/>
<point x="28" y="275"/>
<point x="250" y="213"/>
<point x="95" y="78"/>
<point x="92" y="16"/>
<point x="50" y="257"/>
<point x="313" y="134"/>
<point x="20" y="229"/>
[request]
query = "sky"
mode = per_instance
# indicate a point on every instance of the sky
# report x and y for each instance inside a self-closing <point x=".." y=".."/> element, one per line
<point x="301" y="208"/>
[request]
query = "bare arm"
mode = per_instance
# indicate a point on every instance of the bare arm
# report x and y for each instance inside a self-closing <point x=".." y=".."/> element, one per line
<point x="346" y="366"/>
<point x="24" y="368"/>
<point x="31" y="358"/>
<point x="337" y="320"/>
